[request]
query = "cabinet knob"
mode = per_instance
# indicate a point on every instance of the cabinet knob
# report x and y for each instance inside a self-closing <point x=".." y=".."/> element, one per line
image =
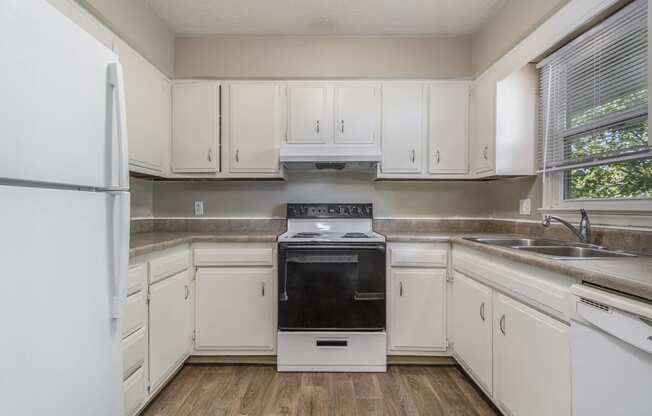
<point x="262" y="290"/>
<point x="210" y="155"/>
<point x="437" y="156"/>
<point x="482" y="316"/>
<point x="484" y="152"/>
<point x="413" y="155"/>
<point x="502" y="324"/>
<point x="400" y="288"/>
<point x="187" y="292"/>
<point x="342" y="126"/>
<point x="237" y="155"/>
<point x="317" y="127"/>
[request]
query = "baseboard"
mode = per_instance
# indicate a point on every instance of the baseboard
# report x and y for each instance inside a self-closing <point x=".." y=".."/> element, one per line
<point x="271" y="359"/>
<point x="420" y="360"/>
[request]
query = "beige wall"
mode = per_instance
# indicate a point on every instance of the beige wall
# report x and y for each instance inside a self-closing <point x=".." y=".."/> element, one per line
<point x="506" y="194"/>
<point x="251" y="199"/>
<point x="142" y="198"/>
<point x="508" y="25"/>
<point x="322" y="57"/>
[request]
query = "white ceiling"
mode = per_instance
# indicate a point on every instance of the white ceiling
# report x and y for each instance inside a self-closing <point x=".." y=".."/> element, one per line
<point x="324" y="17"/>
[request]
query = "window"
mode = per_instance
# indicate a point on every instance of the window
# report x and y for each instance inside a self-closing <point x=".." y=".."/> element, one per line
<point x="594" y="146"/>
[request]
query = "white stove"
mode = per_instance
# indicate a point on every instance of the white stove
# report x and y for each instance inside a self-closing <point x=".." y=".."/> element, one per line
<point x="331" y="230"/>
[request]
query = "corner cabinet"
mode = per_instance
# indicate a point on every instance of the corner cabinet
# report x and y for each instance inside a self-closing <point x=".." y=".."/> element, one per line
<point x="252" y="127"/>
<point x="417" y="298"/>
<point x="195" y="127"/>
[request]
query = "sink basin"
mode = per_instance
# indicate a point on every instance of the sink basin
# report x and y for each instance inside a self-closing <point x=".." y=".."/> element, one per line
<point x="516" y="242"/>
<point x="570" y="252"/>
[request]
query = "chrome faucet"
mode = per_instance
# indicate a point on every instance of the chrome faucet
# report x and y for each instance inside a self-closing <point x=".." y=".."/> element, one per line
<point x="584" y="232"/>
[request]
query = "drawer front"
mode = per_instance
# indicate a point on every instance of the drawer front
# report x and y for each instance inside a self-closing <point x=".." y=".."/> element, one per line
<point x="136" y="279"/>
<point x="414" y="257"/>
<point x="164" y="267"/>
<point x="135" y="313"/>
<point x="240" y="256"/>
<point x="134" y="348"/>
<point x="134" y="392"/>
<point x="331" y="349"/>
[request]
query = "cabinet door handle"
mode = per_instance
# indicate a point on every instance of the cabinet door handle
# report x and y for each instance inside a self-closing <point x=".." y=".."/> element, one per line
<point x="210" y="155"/>
<point x="262" y="290"/>
<point x="437" y="156"/>
<point x="187" y="292"/>
<point x="237" y="155"/>
<point x="342" y="126"/>
<point x="482" y="312"/>
<point x="400" y="288"/>
<point x="317" y="127"/>
<point x="484" y="152"/>
<point x="413" y="155"/>
<point x="502" y="324"/>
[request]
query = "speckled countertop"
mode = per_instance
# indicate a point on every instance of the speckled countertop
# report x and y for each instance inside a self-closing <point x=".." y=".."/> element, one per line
<point x="149" y="242"/>
<point x="629" y="275"/>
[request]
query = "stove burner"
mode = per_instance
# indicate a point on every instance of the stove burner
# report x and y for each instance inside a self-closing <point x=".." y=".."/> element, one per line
<point x="306" y="235"/>
<point x="355" y="235"/>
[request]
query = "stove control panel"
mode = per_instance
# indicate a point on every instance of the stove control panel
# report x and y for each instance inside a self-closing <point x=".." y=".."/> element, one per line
<point x="330" y="211"/>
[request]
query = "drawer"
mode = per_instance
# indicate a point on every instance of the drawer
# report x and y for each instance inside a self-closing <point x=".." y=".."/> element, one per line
<point x="134" y="392"/>
<point x="232" y="256"/>
<point x="134" y="348"/>
<point x="135" y="313"/>
<point x="415" y="257"/>
<point x="136" y="278"/>
<point x="171" y="264"/>
<point x="324" y="351"/>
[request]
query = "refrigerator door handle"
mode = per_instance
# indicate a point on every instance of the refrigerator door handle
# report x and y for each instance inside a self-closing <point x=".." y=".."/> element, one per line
<point x="116" y="79"/>
<point x="121" y="206"/>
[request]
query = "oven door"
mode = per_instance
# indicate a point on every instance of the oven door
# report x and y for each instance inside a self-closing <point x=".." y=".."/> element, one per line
<point x="324" y="286"/>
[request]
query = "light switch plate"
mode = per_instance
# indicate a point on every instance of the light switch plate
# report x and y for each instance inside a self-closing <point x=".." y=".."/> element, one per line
<point x="525" y="206"/>
<point x="199" y="208"/>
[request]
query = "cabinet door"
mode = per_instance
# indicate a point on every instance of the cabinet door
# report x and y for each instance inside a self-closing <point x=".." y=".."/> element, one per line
<point x="253" y="127"/>
<point x="449" y="121"/>
<point x="170" y="325"/>
<point x="143" y="96"/>
<point x="483" y="122"/>
<point x="357" y="114"/>
<point x="472" y="327"/>
<point x="195" y="129"/>
<point x="403" y="128"/>
<point x="235" y="309"/>
<point x="532" y="373"/>
<point x="308" y="114"/>
<point x="418" y="309"/>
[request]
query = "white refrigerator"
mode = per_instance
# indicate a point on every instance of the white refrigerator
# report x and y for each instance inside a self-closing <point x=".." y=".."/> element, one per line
<point x="64" y="216"/>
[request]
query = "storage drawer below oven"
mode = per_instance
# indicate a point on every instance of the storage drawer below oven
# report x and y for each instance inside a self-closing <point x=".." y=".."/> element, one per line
<point x="332" y="351"/>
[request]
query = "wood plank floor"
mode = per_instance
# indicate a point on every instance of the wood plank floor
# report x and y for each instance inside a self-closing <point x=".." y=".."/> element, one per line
<point x="214" y="390"/>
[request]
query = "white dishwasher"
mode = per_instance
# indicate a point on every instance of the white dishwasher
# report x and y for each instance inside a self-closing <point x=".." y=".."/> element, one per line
<point x="611" y="350"/>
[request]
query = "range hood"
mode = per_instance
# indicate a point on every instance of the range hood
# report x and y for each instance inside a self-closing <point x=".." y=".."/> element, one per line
<point x="329" y="157"/>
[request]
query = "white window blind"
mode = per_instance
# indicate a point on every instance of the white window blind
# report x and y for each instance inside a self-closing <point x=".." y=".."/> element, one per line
<point x="593" y="95"/>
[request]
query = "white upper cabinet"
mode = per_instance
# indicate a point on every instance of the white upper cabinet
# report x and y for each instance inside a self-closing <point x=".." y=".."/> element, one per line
<point x="472" y="328"/>
<point x="483" y="122"/>
<point x="403" y="128"/>
<point x="449" y="124"/>
<point x="145" y="89"/>
<point x="309" y="113"/>
<point x="252" y="125"/>
<point x="195" y="127"/>
<point x="357" y="114"/>
<point x="532" y="372"/>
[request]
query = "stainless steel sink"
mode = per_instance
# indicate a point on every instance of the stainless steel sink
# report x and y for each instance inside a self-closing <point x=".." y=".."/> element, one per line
<point x="571" y="252"/>
<point x="516" y="242"/>
<point x="558" y="250"/>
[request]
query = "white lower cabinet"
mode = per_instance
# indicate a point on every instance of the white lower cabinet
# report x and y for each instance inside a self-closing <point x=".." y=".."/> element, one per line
<point x="471" y="327"/>
<point x="134" y="389"/>
<point x="170" y="321"/>
<point x="531" y="361"/>
<point x="418" y="310"/>
<point x="234" y="309"/>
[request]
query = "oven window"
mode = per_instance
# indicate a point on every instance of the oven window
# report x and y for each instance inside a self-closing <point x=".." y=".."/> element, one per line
<point x="332" y="289"/>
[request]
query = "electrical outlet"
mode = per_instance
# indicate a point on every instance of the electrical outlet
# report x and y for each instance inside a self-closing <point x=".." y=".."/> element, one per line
<point x="199" y="208"/>
<point x="525" y="206"/>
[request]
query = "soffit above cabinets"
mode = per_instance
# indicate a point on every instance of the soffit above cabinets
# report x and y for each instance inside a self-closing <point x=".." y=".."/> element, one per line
<point x="318" y="17"/>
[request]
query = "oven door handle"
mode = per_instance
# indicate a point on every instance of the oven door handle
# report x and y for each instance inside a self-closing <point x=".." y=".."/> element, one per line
<point x="334" y="247"/>
<point x="368" y="296"/>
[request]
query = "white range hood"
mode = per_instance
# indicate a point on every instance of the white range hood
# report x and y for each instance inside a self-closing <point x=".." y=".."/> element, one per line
<point x="329" y="157"/>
